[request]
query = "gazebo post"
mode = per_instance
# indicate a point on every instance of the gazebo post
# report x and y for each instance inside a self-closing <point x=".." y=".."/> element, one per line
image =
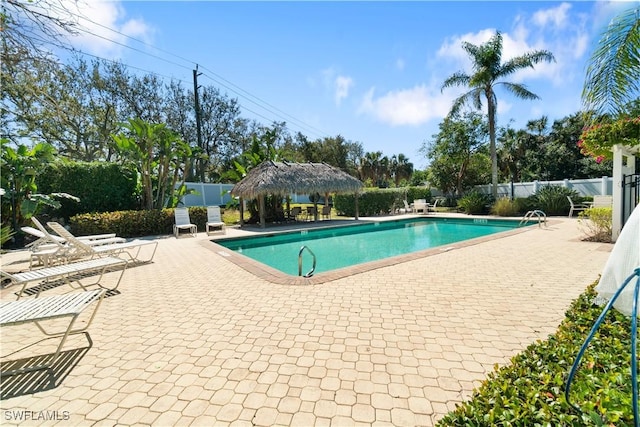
<point x="261" y="208"/>
<point x="241" y="211"/>
<point x="356" y="205"/>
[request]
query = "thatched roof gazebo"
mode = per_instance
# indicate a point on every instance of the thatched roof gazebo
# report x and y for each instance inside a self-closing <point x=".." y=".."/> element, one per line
<point x="284" y="178"/>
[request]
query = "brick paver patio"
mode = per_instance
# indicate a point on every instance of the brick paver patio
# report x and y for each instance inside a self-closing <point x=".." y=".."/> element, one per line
<point x="194" y="339"/>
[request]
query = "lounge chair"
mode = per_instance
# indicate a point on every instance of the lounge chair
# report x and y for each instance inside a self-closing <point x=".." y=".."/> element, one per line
<point x="39" y="310"/>
<point x="68" y="273"/>
<point x="577" y="207"/>
<point x="214" y="221"/>
<point x="183" y="222"/>
<point x="47" y="240"/>
<point x="81" y="249"/>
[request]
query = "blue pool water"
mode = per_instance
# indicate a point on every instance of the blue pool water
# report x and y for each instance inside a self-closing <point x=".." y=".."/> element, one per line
<point x="338" y="247"/>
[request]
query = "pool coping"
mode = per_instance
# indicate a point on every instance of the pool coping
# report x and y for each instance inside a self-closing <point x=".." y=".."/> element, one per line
<point x="275" y="276"/>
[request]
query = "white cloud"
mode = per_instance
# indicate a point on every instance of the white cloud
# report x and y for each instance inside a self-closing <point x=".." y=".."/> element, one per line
<point x="342" y="86"/>
<point x="339" y="85"/>
<point x="557" y="17"/>
<point x="414" y="106"/>
<point x="97" y="19"/>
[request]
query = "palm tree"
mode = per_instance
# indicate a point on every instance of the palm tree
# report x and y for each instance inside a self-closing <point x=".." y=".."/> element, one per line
<point x="488" y="70"/>
<point x="613" y="73"/>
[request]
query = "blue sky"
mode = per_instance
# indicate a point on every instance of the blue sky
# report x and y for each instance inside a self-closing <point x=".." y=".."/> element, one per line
<point x="369" y="71"/>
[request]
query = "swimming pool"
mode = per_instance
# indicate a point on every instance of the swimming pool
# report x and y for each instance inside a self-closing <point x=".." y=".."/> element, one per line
<point x="343" y="246"/>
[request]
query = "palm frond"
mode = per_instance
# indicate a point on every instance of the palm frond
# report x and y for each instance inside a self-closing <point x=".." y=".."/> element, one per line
<point x="518" y="90"/>
<point x="456" y="79"/>
<point x="613" y="73"/>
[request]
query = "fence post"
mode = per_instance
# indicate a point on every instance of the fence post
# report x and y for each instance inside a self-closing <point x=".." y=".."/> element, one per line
<point x="536" y="185"/>
<point x="603" y="186"/>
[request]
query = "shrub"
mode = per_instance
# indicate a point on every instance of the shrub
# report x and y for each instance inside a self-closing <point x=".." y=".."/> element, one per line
<point x="530" y="391"/>
<point x="101" y="187"/>
<point x="505" y="207"/>
<point x="134" y="223"/>
<point x="375" y="202"/>
<point x="474" y="203"/>
<point x="552" y="199"/>
<point x="596" y="223"/>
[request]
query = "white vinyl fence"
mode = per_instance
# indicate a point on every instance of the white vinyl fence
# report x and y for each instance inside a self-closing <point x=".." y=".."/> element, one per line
<point x="585" y="187"/>
<point x="207" y="194"/>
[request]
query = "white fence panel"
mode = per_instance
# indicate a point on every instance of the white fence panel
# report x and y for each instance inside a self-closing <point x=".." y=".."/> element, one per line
<point x="585" y="187"/>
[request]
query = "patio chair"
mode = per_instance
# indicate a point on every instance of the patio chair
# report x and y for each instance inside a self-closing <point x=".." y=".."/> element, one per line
<point x="79" y="248"/>
<point x="602" y="201"/>
<point x="407" y="208"/>
<point x="214" y="221"/>
<point x="577" y="207"/>
<point x="326" y="212"/>
<point x="67" y="273"/>
<point x="183" y="222"/>
<point x="295" y="212"/>
<point x="41" y="310"/>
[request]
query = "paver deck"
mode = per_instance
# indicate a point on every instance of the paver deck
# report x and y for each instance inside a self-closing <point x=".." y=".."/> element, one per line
<point x="194" y="339"/>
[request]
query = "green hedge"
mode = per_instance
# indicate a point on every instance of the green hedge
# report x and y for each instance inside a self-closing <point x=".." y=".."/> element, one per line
<point x="133" y="223"/>
<point x="378" y="202"/>
<point x="530" y="391"/>
<point x="101" y="187"/>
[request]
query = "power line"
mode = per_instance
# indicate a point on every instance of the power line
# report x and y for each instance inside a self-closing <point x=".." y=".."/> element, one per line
<point x="217" y="79"/>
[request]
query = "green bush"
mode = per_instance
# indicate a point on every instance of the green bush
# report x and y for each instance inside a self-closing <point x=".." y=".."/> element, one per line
<point x="474" y="203"/>
<point x="133" y="223"/>
<point x="376" y="202"/>
<point x="530" y="391"/>
<point x="101" y="187"/>
<point x="505" y="207"/>
<point x="596" y="223"/>
<point x="552" y="199"/>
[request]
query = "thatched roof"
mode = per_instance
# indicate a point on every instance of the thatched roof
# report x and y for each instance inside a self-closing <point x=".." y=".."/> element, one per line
<point x="295" y="178"/>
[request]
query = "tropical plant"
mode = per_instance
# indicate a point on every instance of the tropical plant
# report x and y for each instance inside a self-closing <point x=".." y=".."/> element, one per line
<point x="552" y="199"/>
<point x="488" y="70"/>
<point x="613" y="72"/>
<point x="597" y="140"/>
<point x="161" y="158"/>
<point x="474" y="203"/>
<point x="18" y="170"/>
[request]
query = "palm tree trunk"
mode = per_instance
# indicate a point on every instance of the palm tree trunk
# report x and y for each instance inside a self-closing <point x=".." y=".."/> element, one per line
<point x="492" y="146"/>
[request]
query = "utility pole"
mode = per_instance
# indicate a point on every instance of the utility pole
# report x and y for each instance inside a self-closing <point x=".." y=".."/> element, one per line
<point x="199" y="170"/>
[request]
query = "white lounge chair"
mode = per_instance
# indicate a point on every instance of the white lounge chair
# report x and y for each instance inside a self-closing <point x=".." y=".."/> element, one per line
<point x="68" y="273"/>
<point x="183" y="222"/>
<point x="577" y="207"/>
<point x="47" y="240"/>
<point x="214" y="221"/>
<point x="40" y="310"/>
<point x="82" y="249"/>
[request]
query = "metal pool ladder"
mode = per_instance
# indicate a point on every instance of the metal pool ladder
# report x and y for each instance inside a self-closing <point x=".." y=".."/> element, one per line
<point x="542" y="217"/>
<point x="313" y="268"/>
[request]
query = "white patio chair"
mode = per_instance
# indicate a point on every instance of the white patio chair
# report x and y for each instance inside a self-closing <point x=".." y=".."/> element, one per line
<point x="183" y="222"/>
<point x="214" y="221"/>
<point x="79" y="248"/>
<point x="577" y="207"/>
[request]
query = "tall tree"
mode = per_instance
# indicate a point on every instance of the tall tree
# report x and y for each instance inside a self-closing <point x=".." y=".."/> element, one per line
<point x="613" y="71"/>
<point x="488" y="70"/>
<point x="458" y="153"/>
